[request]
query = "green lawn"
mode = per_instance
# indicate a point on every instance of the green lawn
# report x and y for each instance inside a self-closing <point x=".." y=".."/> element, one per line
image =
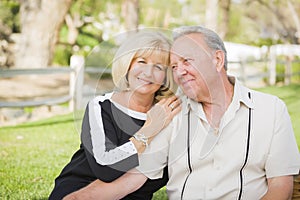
<point x="32" y="154"/>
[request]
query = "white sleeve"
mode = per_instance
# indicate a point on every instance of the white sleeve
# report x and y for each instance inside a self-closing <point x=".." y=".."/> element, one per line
<point x="98" y="138"/>
<point x="284" y="157"/>
<point x="153" y="160"/>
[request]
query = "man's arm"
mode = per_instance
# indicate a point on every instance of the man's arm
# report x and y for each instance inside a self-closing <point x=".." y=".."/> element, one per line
<point x="279" y="188"/>
<point x="99" y="190"/>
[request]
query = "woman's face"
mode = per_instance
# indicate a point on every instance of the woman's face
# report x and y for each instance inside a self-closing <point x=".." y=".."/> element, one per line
<point x="146" y="74"/>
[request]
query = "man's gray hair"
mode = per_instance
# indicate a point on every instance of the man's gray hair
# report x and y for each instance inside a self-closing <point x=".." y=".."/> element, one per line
<point x="211" y="38"/>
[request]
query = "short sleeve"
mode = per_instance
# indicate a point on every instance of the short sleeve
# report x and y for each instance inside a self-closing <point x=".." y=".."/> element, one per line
<point x="106" y="173"/>
<point x="284" y="157"/>
<point x="100" y="141"/>
<point x="153" y="160"/>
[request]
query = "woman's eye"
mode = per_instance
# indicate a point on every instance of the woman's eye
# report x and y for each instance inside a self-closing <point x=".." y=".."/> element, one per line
<point x="141" y="61"/>
<point x="159" y="67"/>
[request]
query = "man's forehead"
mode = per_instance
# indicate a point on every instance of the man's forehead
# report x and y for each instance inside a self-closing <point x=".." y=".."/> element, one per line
<point x="187" y="44"/>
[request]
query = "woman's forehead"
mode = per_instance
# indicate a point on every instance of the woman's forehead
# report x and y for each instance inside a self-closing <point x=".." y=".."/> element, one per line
<point x="153" y="54"/>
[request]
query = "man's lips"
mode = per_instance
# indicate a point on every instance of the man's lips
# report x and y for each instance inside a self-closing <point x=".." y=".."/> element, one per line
<point x="185" y="82"/>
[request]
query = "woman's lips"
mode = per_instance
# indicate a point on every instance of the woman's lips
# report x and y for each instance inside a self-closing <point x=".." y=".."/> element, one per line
<point x="145" y="81"/>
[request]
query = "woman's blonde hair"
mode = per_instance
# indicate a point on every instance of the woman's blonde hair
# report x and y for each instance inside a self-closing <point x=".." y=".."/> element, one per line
<point x="143" y="44"/>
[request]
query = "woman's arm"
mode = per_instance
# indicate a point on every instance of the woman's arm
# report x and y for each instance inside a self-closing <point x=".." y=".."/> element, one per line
<point x="99" y="190"/>
<point x="100" y="135"/>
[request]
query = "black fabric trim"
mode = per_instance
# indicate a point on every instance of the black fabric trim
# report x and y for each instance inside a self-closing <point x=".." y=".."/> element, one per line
<point x="247" y="152"/>
<point x="189" y="157"/>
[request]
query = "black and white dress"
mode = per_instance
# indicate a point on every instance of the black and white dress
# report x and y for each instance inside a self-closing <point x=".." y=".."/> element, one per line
<point x="106" y="152"/>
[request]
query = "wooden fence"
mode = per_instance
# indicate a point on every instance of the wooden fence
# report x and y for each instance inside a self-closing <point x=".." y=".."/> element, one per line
<point x="77" y="70"/>
<point x="74" y="98"/>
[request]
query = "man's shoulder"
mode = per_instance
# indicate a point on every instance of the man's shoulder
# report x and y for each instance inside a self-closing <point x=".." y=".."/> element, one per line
<point x="266" y="99"/>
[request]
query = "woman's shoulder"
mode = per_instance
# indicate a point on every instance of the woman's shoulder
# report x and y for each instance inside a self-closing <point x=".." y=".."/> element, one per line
<point x="101" y="98"/>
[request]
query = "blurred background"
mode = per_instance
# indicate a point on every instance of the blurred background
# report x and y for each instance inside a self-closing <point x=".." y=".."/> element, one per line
<point x="55" y="55"/>
<point x="40" y="33"/>
<point x="38" y="39"/>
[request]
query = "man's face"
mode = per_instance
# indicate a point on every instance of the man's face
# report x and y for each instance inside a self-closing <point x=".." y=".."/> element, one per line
<point x="192" y="64"/>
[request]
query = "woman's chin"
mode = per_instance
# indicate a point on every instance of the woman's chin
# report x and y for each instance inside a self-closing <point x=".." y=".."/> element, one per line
<point x="146" y="90"/>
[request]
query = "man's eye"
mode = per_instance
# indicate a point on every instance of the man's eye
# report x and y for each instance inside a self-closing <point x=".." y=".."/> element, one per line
<point x="174" y="67"/>
<point x="187" y="60"/>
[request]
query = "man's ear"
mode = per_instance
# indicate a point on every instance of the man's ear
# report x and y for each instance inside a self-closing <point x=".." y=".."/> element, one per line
<point x="220" y="59"/>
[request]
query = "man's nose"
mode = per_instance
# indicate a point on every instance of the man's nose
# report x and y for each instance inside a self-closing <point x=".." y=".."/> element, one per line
<point x="180" y="70"/>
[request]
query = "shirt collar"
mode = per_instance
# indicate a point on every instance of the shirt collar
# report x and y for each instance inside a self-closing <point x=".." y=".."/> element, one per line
<point x="241" y="95"/>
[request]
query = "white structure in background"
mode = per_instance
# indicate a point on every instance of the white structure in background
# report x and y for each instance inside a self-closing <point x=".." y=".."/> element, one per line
<point x="288" y="50"/>
<point x="239" y="55"/>
<point x="238" y="52"/>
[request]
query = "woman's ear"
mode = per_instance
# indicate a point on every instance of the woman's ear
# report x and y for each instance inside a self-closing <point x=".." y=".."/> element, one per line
<point x="220" y="59"/>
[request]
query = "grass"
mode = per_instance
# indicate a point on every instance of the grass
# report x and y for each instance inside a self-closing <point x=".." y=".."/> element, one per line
<point x="33" y="154"/>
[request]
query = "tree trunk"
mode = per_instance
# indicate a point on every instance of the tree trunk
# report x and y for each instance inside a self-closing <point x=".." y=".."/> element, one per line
<point x="225" y="11"/>
<point x="72" y="27"/>
<point x="211" y="14"/>
<point x="40" y="24"/>
<point x="296" y="20"/>
<point x="130" y="13"/>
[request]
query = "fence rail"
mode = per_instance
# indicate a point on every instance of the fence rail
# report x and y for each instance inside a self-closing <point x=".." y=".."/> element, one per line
<point x="15" y="72"/>
<point x="76" y="72"/>
<point x="76" y="75"/>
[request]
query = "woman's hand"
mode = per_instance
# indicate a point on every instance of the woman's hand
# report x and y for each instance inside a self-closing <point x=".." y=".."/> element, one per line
<point x="160" y="115"/>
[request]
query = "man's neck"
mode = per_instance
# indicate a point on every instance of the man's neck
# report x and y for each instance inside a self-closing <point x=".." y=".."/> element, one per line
<point x="220" y="100"/>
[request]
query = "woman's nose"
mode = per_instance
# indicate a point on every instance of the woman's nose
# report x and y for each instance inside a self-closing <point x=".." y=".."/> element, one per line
<point x="148" y="70"/>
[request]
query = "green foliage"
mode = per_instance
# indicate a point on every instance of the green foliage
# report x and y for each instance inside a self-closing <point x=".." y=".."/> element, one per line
<point x="9" y="14"/>
<point x="88" y="38"/>
<point x="91" y="7"/>
<point x="280" y="69"/>
<point x="62" y="54"/>
<point x="246" y="24"/>
<point x="265" y="42"/>
<point x="102" y="55"/>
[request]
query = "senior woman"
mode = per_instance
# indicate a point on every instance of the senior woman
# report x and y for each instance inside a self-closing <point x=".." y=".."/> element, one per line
<point x="119" y="125"/>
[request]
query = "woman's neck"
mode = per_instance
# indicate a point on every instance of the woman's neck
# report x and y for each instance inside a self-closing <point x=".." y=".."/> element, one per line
<point x="134" y="101"/>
